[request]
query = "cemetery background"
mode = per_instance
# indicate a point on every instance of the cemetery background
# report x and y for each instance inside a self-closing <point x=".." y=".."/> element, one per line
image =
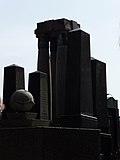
<point x="70" y="117"/>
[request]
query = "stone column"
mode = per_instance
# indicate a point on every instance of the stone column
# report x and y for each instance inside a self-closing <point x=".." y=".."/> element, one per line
<point x="53" y="51"/>
<point x="43" y="54"/>
<point x="43" y="60"/>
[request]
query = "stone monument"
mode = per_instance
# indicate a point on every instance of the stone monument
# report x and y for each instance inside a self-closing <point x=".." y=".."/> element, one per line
<point x="13" y="80"/>
<point x="49" y="34"/>
<point x="99" y="91"/>
<point x="38" y="86"/>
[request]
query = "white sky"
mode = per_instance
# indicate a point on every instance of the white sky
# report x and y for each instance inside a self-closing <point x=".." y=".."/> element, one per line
<point x="101" y="19"/>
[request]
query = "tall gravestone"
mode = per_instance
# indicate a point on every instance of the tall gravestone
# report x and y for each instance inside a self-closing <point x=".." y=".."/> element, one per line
<point x="13" y="80"/>
<point x="99" y="93"/>
<point x="78" y="96"/>
<point x="38" y="86"/>
<point x="51" y="31"/>
<point x="113" y="117"/>
<point x="74" y="73"/>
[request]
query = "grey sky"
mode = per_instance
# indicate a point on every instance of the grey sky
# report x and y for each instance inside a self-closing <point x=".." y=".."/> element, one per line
<point x="101" y="19"/>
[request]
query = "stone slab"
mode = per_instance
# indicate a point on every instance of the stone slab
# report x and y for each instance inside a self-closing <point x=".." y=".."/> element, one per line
<point x="47" y="143"/>
<point x="38" y="86"/>
<point x="13" y="80"/>
<point x="99" y="89"/>
<point x="55" y="26"/>
<point x="76" y="121"/>
<point x="78" y="74"/>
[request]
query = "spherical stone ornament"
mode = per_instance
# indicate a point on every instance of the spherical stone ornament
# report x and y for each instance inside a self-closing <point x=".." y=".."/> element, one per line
<point x="22" y="101"/>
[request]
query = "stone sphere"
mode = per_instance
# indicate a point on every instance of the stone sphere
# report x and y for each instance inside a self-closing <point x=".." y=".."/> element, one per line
<point x="21" y="101"/>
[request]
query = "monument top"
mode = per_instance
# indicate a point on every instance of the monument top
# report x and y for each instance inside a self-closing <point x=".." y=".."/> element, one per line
<point x="55" y="26"/>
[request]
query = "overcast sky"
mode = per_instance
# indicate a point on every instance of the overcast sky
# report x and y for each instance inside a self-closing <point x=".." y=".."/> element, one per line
<point x="101" y="19"/>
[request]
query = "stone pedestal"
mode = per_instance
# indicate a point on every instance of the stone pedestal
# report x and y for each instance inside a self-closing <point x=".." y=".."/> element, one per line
<point x="47" y="143"/>
<point x="76" y="121"/>
<point x="26" y="119"/>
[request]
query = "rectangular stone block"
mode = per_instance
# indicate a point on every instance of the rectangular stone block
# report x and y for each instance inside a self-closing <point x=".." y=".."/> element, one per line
<point x="76" y="121"/>
<point x="49" y="144"/>
<point x="78" y="96"/>
<point x="38" y="86"/>
<point x="69" y="144"/>
<point x="99" y="93"/>
<point x="113" y="117"/>
<point x="21" y="143"/>
<point x="106" y="146"/>
<point x="13" y="80"/>
<point x="55" y="26"/>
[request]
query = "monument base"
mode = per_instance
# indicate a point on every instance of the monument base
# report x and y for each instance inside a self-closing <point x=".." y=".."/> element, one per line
<point x="26" y="119"/>
<point x="76" y="121"/>
<point x="23" y="123"/>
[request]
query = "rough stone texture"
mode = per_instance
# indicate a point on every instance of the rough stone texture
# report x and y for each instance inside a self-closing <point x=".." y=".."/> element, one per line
<point x="49" y="144"/>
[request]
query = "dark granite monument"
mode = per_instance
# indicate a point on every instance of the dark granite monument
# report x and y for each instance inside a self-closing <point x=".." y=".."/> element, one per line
<point x="13" y="80"/>
<point x="78" y="96"/>
<point x="99" y="91"/>
<point x="113" y="117"/>
<point x="38" y="86"/>
<point x="49" y="144"/>
<point x="65" y="113"/>
<point x="50" y="34"/>
<point x="74" y="82"/>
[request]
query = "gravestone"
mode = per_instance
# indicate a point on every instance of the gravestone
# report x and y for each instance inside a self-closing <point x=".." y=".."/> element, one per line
<point x="51" y="30"/>
<point x="13" y="80"/>
<point x="99" y="93"/>
<point x="75" y="87"/>
<point x="38" y="86"/>
<point x="78" y="94"/>
<point x="113" y="117"/>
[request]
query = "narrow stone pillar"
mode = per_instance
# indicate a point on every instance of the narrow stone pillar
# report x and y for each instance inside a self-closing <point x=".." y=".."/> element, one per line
<point x="43" y="60"/>
<point x="43" y="55"/>
<point x="53" y="52"/>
